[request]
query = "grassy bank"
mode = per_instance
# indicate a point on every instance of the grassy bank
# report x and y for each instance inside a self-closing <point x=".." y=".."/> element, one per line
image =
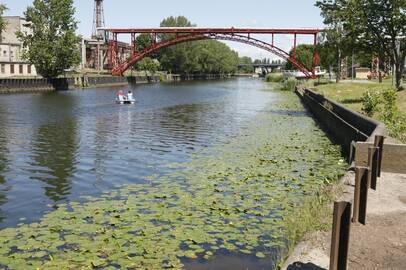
<point x="377" y="100"/>
<point x="350" y="93"/>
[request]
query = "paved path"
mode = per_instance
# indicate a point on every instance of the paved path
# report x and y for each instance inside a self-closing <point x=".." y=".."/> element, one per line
<point x="381" y="244"/>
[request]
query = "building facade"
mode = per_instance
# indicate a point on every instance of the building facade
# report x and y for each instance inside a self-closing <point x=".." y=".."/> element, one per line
<point x="11" y="62"/>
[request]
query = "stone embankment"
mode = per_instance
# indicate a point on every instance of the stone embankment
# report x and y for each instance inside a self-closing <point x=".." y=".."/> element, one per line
<point x="39" y="84"/>
<point x="26" y="85"/>
<point x="381" y="243"/>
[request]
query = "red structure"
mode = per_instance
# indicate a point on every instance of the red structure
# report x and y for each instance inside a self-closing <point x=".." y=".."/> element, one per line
<point x="176" y="35"/>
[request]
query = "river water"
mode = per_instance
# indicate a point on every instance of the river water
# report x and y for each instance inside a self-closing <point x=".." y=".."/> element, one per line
<point x="56" y="148"/>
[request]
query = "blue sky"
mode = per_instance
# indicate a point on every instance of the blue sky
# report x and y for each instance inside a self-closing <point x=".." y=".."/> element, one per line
<point x="212" y="13"/>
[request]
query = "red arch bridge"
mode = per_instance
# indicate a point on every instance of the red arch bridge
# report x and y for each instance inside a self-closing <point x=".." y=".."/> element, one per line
<point x="122" y="59"/>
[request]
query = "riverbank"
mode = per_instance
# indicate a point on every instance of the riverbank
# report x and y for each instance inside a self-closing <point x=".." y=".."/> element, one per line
<point x="29" y="85"/>
<point x="381" y="243"/>
<point x="350" y="94"/>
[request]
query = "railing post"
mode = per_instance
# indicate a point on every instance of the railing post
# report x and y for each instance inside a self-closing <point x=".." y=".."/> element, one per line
<point x="340" y="236"/>
<point x="373" y="166"/>
<point x="379" y="140"/>
<point x="360" y="195"/>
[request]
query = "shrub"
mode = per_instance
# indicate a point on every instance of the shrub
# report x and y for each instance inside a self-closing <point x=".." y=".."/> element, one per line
<point x="289" y="84"/>
<point x="390" y="109"/>
<point x="274" y="78"/>
<point x="370" y="102"/>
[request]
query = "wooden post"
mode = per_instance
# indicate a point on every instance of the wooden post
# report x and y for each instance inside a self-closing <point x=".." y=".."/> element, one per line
<point x="360" y="195"/>
<point x="373" y="166"/>
<point x="340" y="236"/>
<point x="379" y="140"/>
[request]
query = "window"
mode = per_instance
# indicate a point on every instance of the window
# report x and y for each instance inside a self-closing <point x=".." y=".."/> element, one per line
<point x="12" y="68"/>
<point x="29" y="69"/>
<point x="4" y="53"/>
<point x="3" y="68"/>
<point x="21" y="69"/>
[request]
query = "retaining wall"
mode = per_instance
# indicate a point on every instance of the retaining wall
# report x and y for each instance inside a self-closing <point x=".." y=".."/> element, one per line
<point x="34" y="85"/>
<point x="39" y="85"/>
<point x="346" y="126"/>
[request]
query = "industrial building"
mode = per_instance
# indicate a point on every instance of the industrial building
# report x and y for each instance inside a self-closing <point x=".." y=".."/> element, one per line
<point x="93" y="50"/>
<point x="11" y="48"/>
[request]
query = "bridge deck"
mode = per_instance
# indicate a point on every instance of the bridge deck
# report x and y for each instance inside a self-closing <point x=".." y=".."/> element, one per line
<point x="199" y="30"/>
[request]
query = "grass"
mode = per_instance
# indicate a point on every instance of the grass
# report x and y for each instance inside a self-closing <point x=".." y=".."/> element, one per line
<point x="349" y="93"/>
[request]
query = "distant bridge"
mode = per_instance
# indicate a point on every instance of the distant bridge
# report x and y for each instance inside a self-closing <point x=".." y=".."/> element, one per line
<point x="119" y="62"/>
<point x="268" y="65"/>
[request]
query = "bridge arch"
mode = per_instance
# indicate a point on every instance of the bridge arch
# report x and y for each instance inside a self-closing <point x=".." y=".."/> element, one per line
<point x="119" y="67"/>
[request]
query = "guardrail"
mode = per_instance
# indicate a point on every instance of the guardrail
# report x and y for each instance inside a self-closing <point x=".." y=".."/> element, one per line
<point x="365" y="178"/>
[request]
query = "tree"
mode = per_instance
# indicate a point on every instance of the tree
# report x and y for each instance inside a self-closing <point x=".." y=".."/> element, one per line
<point x="372" y="25"/>
<point x="2" y="22"/>
<point x="247" y="65"/>
<point x="148" y="64"/>
<point x="52" y="44"/>
<point x="304" y="53"/>
<point x="207" y="56"/>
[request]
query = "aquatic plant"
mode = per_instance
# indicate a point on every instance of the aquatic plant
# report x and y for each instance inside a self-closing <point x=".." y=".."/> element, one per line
<point x="237" y="198"/>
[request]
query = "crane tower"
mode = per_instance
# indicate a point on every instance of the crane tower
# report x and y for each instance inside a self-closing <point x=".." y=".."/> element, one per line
<point x="98" y="19"/>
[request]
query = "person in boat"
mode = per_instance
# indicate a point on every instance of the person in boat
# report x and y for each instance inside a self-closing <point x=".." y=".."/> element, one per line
<point x="130" y="96"/>
<point x="121" y="97"/>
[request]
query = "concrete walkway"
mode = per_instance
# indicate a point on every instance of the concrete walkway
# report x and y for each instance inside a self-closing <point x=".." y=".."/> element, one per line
<point x="381" y="244"/>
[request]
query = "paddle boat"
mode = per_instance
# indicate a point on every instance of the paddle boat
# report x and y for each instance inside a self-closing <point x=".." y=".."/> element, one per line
<point x="123" y="99"/>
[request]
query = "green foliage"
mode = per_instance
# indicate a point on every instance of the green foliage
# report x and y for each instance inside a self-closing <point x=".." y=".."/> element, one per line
<point x="289" y="84"/>
<point x="143" y="41"/>
<point x="372" y="26"/>
<point x="53" y="44"/>
<point x="304" y="53"/>
<point x="370" y="102"/>
<point x="272" y="77"/>
<point x="385" y="104"/>
<point x="394" y="120"/>
<point x="245" y="60"/>
<point x="208" y="56"/>
<point x="390" y="109"/>
<point x="148" y="64"/>
<point x="2" y="22"/>
<point x="314" y="215"/>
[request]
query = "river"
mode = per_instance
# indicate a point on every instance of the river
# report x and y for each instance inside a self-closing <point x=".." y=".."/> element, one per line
<point x="63" y="150"/>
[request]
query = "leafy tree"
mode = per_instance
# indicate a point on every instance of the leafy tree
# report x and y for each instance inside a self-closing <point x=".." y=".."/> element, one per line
<point x="207" y="56"/>
<point x="372" y="25"/>
<point x="148" y="64"/>
<point x="304" y="53"/>
<point x="247" y="61"/>
<point x="143" y="41"/>
<point x="52" y="44"/>
<point x="2" y="22"/>
<point x="257" y="61"/>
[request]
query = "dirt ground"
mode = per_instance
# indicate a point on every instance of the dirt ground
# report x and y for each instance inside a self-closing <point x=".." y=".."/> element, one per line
<point x="380" y="244"/>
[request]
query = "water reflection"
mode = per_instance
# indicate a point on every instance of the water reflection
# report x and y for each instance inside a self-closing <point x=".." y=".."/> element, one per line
<point x="62" y="146"/>
<point x="3" y="159"/>
<point x="54" y="158"/>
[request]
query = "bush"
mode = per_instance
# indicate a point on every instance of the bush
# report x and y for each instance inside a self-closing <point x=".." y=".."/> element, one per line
<point x="289" y="84"/>
<point x="370" y="102"/>
<point x="390" y="109"/>
<point x="277" y="78"/>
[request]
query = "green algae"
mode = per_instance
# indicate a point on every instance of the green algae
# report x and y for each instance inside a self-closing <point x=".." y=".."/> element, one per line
<point x="235" y="198"/>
